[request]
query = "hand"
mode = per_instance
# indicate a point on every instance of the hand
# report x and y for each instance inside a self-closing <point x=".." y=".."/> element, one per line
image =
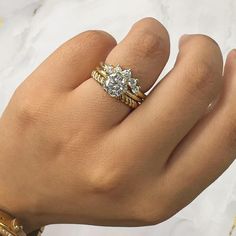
<point x="70" y="153"/>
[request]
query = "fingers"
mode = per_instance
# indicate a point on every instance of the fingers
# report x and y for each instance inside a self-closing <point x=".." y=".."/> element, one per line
<point x="145" y="50"/>
<point x="71" y="64"/>
<point x="210" y="147"/>
<point x="179" y="101"/>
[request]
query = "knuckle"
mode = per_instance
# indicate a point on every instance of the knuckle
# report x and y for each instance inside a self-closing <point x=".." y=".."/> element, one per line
<point x="204" y="54"/>
<point x="26" y="111"/>
<point x="204" y="73"/>
<point x="203" y="77"/>
<point x="91" y="37"/>
<point x="149" y="44"/>
<point x="148" y="20"/>
<point x="151" y="38"/>
<point x="203" y="65"/>
<point x="152" y="25"/>
<point x="104" y="181"/>
<point x="99" y="37"/>
<point x="99" y="41"/>
<point x="206" y="39"/>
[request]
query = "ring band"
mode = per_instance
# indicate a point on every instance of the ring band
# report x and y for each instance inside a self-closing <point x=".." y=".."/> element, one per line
<point x="119" y="83"/>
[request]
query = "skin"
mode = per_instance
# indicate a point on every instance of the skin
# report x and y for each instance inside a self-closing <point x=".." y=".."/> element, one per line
<point x="70" y="153"/>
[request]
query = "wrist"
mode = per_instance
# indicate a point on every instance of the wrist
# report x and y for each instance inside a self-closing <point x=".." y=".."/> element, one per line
<point x="27" y="217"/>
<point x="21" y="203"/>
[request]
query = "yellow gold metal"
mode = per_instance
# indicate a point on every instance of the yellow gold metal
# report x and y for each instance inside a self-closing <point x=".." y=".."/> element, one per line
<point x="97" y="76"/>
<point x="233" y="228"/>
<point x="9" y="226"/>
<point x="37" y="232"/>
<point x="141" y="94"/>
<point x="136" y="98"/>
<point x="101" y="72"/>
<point x="129" y="101"/>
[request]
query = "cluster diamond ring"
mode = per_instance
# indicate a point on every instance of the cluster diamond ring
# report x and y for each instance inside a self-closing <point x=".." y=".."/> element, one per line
<point x="120" y="84"/>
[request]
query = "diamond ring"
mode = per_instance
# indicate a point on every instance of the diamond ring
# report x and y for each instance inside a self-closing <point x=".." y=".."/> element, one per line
<point x="119" y="83"/>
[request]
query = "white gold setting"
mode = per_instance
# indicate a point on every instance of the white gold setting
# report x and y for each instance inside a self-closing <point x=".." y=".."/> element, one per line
<point x="118" y="81"/>
<point x="120" y="84"/>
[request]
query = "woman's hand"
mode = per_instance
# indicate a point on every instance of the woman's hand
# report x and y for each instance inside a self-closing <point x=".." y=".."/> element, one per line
<point x="70" y="153"/>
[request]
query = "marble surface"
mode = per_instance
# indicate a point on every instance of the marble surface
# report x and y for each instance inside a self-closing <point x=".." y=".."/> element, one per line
<point x="31" y="29"/>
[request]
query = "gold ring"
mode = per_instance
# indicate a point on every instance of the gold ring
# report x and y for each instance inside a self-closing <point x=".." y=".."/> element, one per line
<point x="123" y="98"/>
<point x="107" y="69"/>
<point x="119" y="83"/>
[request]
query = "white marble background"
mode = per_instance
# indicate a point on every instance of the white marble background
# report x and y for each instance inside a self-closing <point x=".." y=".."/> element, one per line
<point x="31" y="29"/>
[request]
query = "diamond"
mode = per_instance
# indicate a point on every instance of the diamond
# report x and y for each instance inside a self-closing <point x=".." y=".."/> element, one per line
<point x="115" y="84"/>
<point x="135" y="89"/>
<point x="108" y="68"/>
<point x="133" y="83"/>
<point x="117" y="69"/>
<point x="126" y="73"/>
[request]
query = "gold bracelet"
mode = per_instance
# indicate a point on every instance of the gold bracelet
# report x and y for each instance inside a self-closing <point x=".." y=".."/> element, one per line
<point x="10" y="226"/>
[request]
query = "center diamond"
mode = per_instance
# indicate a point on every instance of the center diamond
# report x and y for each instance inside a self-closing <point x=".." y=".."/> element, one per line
<point x="115" y="84"/>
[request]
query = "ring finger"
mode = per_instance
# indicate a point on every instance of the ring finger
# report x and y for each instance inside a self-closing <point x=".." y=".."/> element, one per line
<point x="145" y="50"/>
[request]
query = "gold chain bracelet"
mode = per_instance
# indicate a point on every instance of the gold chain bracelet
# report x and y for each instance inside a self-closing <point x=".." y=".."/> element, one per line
<point x="10" y="226"/>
